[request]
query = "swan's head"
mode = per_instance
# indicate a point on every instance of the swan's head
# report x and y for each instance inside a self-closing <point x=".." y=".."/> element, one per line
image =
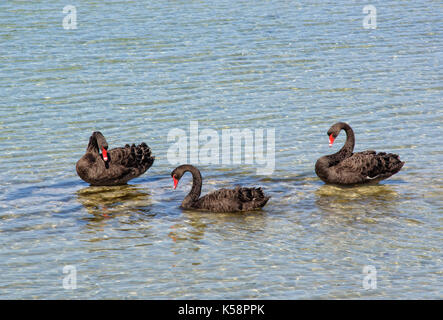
<point x="176" y="175"/>
<point x="334" y="131"/>
<point x="178" y="172"/>
<point x="102" y="144"/>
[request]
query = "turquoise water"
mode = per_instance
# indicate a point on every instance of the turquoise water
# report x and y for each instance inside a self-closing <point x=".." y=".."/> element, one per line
<point x="136" y="71"/>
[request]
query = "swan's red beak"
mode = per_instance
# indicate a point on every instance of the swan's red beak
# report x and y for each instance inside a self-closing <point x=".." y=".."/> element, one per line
<point x="175" y="182"/>
<point x="331" y="140"/>
<point x="105" y="154"/>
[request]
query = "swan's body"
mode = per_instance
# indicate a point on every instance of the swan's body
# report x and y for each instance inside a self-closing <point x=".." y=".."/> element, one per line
<point x="346" y="167"/>
<point x="223" y="200"/>
<point x="114" y="167"/>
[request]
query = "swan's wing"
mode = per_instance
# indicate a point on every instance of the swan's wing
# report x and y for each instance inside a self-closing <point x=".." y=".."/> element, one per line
<point x="132" y="156"/>
<point x="221" y="194"/>
<point x="131" y="161"/>
<point x="223" y="200"/>
<point x="232" y="200"/>
<point x="92" y="169"/>
<point x="367" y="166"/>
<point x="241" y="194"/>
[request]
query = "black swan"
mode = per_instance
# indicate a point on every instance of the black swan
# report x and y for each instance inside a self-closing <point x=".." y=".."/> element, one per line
<point x="223" y="200"/>
<point x="346" y="167"/>
<point x="114" y="167"/>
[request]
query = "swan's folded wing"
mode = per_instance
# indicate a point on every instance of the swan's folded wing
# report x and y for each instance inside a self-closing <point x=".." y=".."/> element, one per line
<point x="125" y="164"/>
<point x="241" y="194"/>
<point x="233" y="200"/>
<point x="368" y="165"/>
<point x="221" y="194"/>
<point x="133" y="157"/>
<point x="223" y="200"/>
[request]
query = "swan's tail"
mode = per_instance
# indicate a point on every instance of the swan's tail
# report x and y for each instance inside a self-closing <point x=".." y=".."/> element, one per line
<point x="140" y="156"/>
<point x="252" y="198"/>
<point x="392" y="163"/>
<point x="388" y="164"/>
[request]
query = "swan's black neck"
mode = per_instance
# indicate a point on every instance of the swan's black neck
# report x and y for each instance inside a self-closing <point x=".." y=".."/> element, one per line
<point x="348" y="148"/>
<point x="196" y="189"/>
<point x="323" y="165"/>
<point x="92" y="145"/>
<point x="96" y="142"/>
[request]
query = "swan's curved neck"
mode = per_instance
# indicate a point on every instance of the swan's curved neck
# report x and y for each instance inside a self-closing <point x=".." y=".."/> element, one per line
<point x="96" y="142"/>
<point x="324" y="164"/>
<point x="348" y="148"/>
<point x="92" y="145"/>
<point x="196" y="189"/>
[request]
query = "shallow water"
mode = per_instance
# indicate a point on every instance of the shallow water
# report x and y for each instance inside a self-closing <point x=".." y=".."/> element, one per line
<point x="136" y="71"/>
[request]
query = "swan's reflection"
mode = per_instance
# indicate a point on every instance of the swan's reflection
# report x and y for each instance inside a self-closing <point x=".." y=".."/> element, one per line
<point x="198" y="230"/>
<point x="108" y="202"/>
<point x="346" y="201"/>
<point x="192" y="227"/>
